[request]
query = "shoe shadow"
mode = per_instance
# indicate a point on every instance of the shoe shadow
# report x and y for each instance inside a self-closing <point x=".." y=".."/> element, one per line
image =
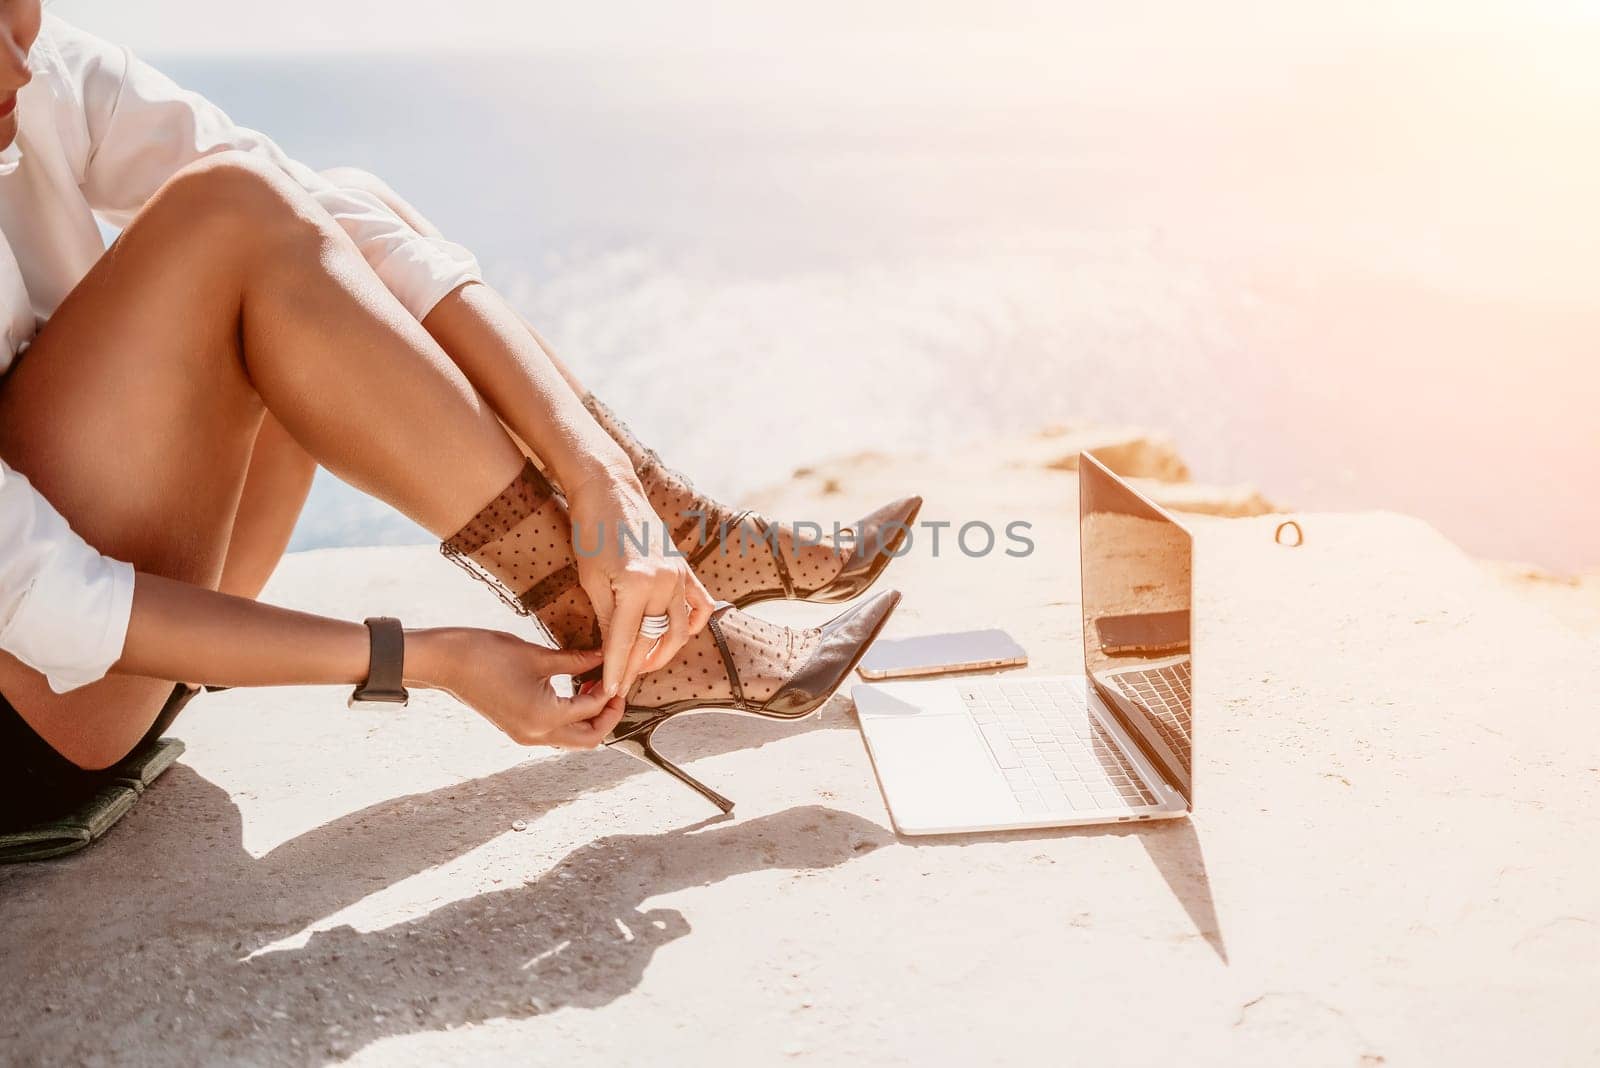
<point x="402" y="836"/>
<point x="147" y="943"/>
<point x="578" y="936"/>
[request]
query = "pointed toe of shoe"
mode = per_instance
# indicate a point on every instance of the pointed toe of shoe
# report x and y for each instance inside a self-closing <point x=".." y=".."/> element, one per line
<point x="844" y="639"/>
<point x="879" y="536"/>
<point x="860" y="624"/>
<point x="884" y="529"/>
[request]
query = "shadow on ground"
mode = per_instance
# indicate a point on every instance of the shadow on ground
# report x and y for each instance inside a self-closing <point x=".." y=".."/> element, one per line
<point x="1173" y="847"/>
<point x="147" y="944"/>
<point x="152" y="946"/>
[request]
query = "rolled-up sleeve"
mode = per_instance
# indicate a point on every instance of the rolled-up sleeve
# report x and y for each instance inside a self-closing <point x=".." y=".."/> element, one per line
<point x="141" y="128"/>
<point x="64" y="607"/>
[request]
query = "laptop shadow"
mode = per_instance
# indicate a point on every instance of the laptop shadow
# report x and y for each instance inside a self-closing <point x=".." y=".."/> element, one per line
<point x="1172" y="845"/>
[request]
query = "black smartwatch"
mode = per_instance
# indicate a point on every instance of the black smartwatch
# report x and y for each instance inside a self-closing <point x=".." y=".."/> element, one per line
<point x="386" y="670"/>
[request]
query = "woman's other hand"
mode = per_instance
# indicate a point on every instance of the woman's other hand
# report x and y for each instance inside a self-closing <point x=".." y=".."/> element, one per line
<point x="509" y="682"/>
<point x="624" y="567"/>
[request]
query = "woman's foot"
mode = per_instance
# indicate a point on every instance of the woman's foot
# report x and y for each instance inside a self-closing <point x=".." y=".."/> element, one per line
<point x="744" y="558"/>
<point x="747" y="664"/>
<point x="742" y="664"/>
<point x="519" y="544"/>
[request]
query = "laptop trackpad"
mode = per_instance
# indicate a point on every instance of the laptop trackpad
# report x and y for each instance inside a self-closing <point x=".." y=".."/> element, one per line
<point x="937" y="774"/>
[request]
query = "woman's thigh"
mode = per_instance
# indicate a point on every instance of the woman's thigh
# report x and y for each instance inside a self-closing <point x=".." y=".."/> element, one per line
<point x="133" y="415"/>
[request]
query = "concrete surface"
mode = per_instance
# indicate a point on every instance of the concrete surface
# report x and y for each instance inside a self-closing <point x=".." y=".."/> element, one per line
<point x="1392" y="862"/>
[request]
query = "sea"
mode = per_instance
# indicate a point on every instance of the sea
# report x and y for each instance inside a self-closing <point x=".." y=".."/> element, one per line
<point x="1360" y="275"/>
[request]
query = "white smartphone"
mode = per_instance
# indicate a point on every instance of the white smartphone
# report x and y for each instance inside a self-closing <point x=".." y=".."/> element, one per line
<point x="941" y="654"/>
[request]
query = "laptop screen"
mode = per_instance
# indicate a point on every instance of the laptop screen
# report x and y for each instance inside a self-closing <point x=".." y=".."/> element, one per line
<point x="1136" y="570"/>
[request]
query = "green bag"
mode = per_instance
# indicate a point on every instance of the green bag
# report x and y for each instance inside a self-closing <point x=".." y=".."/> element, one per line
<point x="68" y="834"/>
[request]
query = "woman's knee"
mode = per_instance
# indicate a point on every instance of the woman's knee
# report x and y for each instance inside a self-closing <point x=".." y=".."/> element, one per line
<point x="240" y="191"/>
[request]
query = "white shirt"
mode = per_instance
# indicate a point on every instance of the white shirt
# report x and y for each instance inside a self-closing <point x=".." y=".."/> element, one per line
<point x="99" y="132"/>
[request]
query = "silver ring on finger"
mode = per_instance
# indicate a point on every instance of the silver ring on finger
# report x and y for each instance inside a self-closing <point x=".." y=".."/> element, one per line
<point x="654" y="626"/>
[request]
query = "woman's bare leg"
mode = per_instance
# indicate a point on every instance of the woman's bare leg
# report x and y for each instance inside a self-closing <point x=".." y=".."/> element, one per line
<point x="275" y="489"/>
<point x="137" y="408"/>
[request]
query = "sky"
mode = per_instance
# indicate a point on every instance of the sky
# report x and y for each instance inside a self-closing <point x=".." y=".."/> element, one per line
<point x="175" y="26"/>
<point x="1380" y="215"/>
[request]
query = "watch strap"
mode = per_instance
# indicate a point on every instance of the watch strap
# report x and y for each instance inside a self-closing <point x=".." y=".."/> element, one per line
<point x="387" y="666"/>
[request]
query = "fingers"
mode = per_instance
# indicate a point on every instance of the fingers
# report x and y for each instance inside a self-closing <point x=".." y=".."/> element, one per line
<point x="677" y="613"/>
<point x="568" y="661"/>
<point x="677" y="633"/>
<point x="581" y="721"/>
<point x="636" y="658"/>
<point x="579" y="709"/>
<point x="621" y="639"/>
<point x="700" y="603"/>
<point x="662" y="591"/>
<point x="588" y="733"/>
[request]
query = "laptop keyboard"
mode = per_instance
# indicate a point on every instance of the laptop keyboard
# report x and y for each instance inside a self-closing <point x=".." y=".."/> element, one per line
<point x="1053" y="751"/>
<point x="1164" y="694"/>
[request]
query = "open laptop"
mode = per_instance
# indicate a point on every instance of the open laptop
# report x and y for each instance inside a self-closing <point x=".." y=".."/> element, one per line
<point x="1114" y="744"/>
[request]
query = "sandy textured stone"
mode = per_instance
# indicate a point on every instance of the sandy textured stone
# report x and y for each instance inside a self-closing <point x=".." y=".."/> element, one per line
<point x="1227" y="501"/>
<point x="1574" y="599"/>
<point x="1392" y="861"/>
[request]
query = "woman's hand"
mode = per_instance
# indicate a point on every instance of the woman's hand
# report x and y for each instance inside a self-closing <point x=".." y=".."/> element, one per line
<point x="506" y="363"/>
<point x="507" y="681"/>
<point x="610" y="520"/>
<point x="179" y="631"/>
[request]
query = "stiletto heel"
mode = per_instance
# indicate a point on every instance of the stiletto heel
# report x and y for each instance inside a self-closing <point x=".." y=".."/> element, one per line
<point x="640" y="747"/>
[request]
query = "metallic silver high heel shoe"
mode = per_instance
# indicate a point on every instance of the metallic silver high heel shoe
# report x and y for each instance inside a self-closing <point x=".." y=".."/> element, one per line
<point x="844" y="639"/>
<point x="874" y="542"/>
<point x="519" y="544"/>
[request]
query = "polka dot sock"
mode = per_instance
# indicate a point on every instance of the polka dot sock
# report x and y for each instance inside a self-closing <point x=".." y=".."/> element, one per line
<point x="520" y="545"/>
<point x="732" y="551"/>
<point x="764" y="655"/>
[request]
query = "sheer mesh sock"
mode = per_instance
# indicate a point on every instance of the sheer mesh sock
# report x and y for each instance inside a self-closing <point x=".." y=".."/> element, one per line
<point x="742" y="563"/>
<point x="520" y="545"/>
<point x="764" y="654"/>
<point x="731" y="550"/>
